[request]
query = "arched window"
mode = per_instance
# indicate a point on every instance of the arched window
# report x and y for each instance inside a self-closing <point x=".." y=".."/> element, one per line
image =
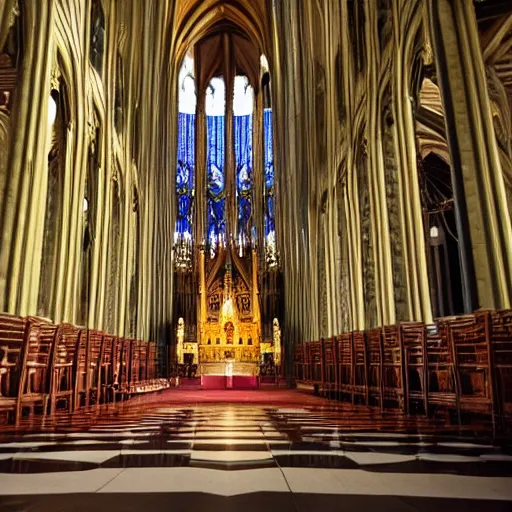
<point x="186" y="151"/>
<point x="58" y="120"/>
<point x="269" y="176"/>
<point x="243" y="116"/>
<point x="97" y="48"/>
<point x="216" y="195"/>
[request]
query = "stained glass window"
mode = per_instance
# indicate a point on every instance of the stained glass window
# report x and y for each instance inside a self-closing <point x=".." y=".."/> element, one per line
<point x="216" y="210"/>
<point x="186" y="151"/>
<point x="243" y="117"/>
<point x="270" y="213"/>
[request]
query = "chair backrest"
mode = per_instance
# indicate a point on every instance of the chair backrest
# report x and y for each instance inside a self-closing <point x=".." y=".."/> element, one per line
<point x="143" y="360"/>
<point x="66" y="344"/>
<point x="13" y="334"/>
<point x="469" y="338"/>
<point x="125" y="349"/>
<point x="440" y="360"/>
<point x="501" y="346"/>
<point x="134" y="373"/>
<point x="374" y="354"/>
<point x="151" y="358"/>
<point x="392" y="359"/>
<point x="413" y="336"/>
<point x="345" y="350"/>
<point x="94" y="354"/>
<point x="299" y="361"/>
<point x="316" y="359"/>
<point x="329" y="358"/>
<point x="38" y="355"/>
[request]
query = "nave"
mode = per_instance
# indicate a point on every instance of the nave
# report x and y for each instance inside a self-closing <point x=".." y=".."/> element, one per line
<point x="271" y="449"/>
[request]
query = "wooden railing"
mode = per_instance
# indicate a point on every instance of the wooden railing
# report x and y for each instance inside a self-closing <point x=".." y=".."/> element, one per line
<point x="45" y="368"/>
<point x="460" y="365"/>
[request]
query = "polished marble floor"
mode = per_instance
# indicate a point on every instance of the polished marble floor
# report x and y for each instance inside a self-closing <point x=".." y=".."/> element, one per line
<point x="253" y="450"/>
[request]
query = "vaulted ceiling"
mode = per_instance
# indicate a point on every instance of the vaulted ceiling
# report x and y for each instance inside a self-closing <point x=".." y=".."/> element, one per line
<point x="228" y="36"/>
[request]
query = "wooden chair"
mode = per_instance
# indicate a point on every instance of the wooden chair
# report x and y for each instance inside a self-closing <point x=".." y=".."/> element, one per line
<point x="107" y="368"/>
<point x="359" y="368"/>
<point x="82" y="373"/>
<point x="134" y="366"/>
<point x="501" y="351"/>
<point x="392" y="367"/>
<point x="413" y="337"/>
<point x="330" y="368"/>
<point x="35" y="371"/>
<point x="123" y="367"/>
<point x="151" y="360"/>
<point x="117" y="365"/>
<point x="440" y="383"/>
<point x="375" y="356"/>
<point x="470" y="341"/>
<point x="13" y="339"/>
<point x="345" y="366"/>
<point x="94" y="361"/>
<point x="63" y="367"/>
<point x="315" y="361"/>
<point x="307" y="365"/>
<point x="143" y="361"/>
<point x="299" y="363"/>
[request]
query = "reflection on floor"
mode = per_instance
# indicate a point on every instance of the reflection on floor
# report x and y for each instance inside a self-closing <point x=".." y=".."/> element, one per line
<point x="251" y="450"/>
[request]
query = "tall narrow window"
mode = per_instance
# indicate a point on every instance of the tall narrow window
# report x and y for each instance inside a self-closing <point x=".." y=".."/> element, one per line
<point x="216" y="197"/>
<point x="185" y="162"/>
<point x="270" y="214"/>
<point x="97" y="48"/>
<point x="243" y="117"/>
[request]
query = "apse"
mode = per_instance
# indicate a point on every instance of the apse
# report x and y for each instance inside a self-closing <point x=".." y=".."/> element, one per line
<point x="225" y="246"/>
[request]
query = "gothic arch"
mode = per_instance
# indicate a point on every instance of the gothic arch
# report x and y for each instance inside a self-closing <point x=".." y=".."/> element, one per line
<point x="55" y="200"/>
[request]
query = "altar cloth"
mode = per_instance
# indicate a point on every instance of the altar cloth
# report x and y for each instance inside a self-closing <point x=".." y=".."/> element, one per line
<point x="225" y="382"/>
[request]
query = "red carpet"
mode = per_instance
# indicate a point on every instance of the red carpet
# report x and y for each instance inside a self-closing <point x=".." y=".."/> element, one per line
<point x="233" y="396"/>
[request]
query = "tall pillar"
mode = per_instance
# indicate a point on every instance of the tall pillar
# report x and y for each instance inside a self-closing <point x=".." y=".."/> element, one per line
<point x="200" y="171"/>
<point x="483" y="214"/>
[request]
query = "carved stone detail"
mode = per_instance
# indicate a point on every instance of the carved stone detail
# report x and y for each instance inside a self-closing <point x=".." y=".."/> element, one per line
<point x="395" y="227"/>
<point x="366" y="239"/>
<point x="55" y="78"/>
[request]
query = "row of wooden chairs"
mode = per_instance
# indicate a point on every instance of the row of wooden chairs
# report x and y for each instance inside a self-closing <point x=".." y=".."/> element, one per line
<point x="45" y="367"/>
<point x="460" y="364"/>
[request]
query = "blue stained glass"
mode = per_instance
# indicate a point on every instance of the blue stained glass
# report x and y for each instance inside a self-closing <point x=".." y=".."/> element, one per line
<point x="269" y="172"/>
<point x="216" y="177"/>
<point x="244" y="178"/>
<point x="269" y="148"/>
<point x="185" y="171"/>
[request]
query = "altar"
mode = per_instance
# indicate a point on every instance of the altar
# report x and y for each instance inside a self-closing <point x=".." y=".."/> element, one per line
<point x="229" y="350"/>
<point x="230" y="374"/>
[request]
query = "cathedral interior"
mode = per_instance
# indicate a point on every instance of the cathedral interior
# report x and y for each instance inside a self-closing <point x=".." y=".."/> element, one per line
<point x="255" y="254"/>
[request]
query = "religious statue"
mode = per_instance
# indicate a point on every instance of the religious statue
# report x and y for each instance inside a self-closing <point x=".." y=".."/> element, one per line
<point x="230" y="330"/>
<point x="277" y="342"/>
<point x="180" y="338"/>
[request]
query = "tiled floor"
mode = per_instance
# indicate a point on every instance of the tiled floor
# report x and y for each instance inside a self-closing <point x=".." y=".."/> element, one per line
<point x="260" y="450"/>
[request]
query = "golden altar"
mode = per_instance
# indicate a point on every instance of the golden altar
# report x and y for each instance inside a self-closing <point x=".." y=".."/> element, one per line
<point x="229" y="349"/>
<point x="229" y="327"/>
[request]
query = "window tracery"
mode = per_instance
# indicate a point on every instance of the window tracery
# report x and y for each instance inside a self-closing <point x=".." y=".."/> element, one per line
<point x="97" y="46"/>
<point x="243" y="124"/>
<point x="216" y="178"/>
<point x="185" y="171"/>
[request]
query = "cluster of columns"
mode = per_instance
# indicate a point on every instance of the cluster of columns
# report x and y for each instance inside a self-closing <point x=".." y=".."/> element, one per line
<point x="116" y="157"/>
<point x="346" y="137"/>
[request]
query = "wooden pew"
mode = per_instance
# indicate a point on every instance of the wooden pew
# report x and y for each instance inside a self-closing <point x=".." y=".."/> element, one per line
<point x="13" y="338"/>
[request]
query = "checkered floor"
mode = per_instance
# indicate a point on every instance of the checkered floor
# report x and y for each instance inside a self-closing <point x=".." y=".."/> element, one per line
<point x="281" y="449"/>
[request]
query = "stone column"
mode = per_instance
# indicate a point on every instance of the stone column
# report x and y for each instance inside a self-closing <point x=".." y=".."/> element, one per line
<point x="482" y="211"/>
<point x="411" y="214"/>
<point x="21" y="223"/>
